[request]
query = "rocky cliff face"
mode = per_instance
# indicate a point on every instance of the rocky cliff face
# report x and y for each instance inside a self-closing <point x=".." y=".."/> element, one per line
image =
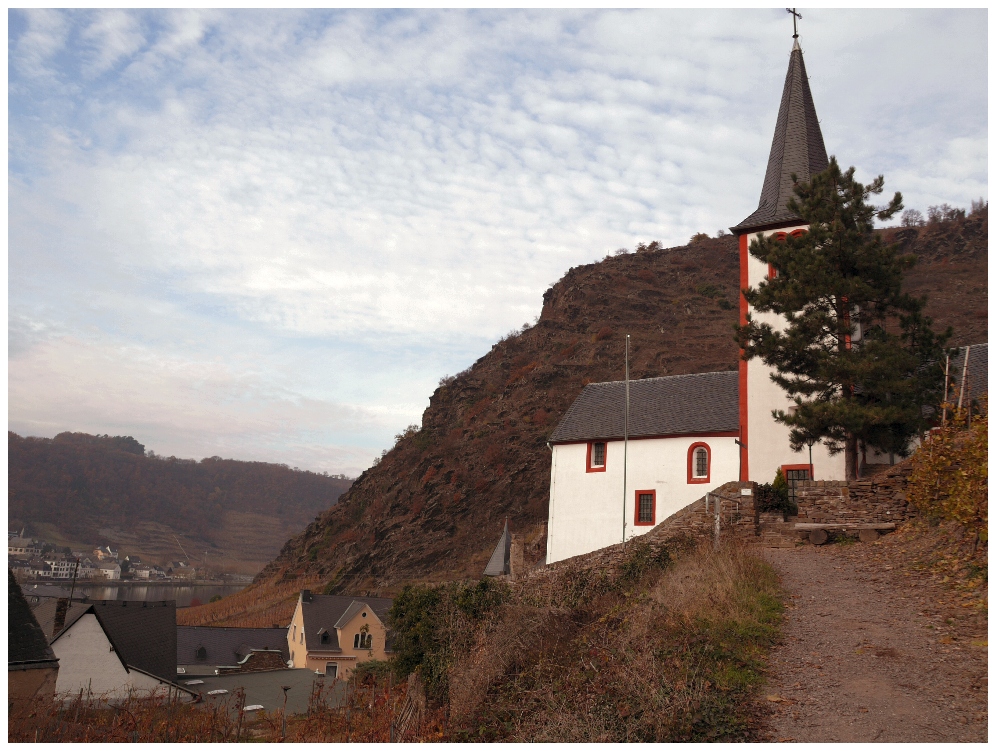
<point x="434" y="507"/>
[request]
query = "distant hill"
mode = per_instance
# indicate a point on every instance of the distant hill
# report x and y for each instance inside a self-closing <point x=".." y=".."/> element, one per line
<point x="433" y="508"/>
<point x="78" y="488"/>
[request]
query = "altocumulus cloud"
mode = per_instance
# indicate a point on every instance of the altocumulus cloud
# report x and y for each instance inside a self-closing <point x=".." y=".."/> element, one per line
<point x="268" y="234"/>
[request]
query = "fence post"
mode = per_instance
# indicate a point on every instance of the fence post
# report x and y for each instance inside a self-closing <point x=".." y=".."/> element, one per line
<point x="716" y="535"/>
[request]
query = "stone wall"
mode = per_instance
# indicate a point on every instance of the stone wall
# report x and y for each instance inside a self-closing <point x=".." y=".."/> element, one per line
<point x="694" y="522"/>
<point x="256" y="661"/>
<point x="877" y="500"/>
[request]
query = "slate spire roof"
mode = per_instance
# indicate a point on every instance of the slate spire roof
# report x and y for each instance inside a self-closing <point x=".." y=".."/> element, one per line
<point x="796" y="148"/>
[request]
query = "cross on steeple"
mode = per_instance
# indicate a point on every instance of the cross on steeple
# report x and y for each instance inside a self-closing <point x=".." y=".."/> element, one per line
<point x="795" y="17"/>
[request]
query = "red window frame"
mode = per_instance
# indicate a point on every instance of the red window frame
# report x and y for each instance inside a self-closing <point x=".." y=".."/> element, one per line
<point x="787" y="467"/>
<point x="653" y="508"/>
<point x="692" y="479"/>
<point x="605" y="459"/>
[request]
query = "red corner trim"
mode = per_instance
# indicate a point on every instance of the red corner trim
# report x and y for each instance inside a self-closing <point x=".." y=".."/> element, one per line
<point x="742" y="364"/>
<point x="691" y="450"/>
<point x="653" y="512"/>
<point x="588" y="467"/>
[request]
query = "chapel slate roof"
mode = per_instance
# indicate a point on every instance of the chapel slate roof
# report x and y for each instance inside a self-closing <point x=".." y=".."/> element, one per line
<point x="671" y="405"/>
<point x="797" y="147"/>
<point x="27" y="646"/>
<point x="142" y="633"/>
<point x="326" y="612"/>
<point x="226" y="646"/>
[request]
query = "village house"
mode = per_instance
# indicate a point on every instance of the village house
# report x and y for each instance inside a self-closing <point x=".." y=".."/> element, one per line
<point x="117" y="648"/>
<point x="23" y="547"/>
<point x="109" y="569"/>
<point x="21" y="570"/>
<point x="32" y="667"/>
<point x="62" y="567"/>
<point x="689" y="434"/>
<point x="105" y="554"/>
<point x="331" y="634"/>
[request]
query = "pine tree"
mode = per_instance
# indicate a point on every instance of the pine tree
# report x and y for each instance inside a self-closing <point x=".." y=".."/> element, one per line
<point x="856" y="354"/>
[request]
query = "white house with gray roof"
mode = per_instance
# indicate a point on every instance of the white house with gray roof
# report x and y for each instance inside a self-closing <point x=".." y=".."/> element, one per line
<point x="682" y="442"/>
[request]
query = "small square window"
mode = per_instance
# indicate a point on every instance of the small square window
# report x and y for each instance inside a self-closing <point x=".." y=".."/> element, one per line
<point x="646" y="508"/>
<point x="596" y="456"/>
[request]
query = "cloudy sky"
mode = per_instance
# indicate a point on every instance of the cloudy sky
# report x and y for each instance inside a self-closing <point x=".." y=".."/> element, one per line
<point x="267" y="235"/>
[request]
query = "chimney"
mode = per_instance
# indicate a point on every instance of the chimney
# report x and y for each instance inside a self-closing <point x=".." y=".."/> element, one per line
<point x="305" y="595"/>
<point x="61" y="608"/>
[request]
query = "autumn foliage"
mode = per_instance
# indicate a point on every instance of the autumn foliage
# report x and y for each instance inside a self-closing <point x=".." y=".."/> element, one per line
<point x="366" y="709"/>
<point x="950" y="478"/>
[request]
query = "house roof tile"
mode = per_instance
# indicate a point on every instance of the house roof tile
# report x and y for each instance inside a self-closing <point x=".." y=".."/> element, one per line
<point x="672" y="405"/>
<point x="26" y="642"/>
<point x="226" y="646"/>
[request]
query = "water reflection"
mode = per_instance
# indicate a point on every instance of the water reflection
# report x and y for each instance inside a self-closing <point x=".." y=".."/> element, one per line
<point x="184" y="594"/>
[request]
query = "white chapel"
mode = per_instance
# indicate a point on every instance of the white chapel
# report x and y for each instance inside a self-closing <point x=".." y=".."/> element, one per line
<point x="689" y="434"/>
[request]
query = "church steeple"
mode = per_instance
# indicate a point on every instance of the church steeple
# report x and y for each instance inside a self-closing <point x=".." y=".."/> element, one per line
<point x="796" y="148"/>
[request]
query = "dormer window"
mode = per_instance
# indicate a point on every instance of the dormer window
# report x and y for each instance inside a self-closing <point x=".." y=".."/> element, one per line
<point x="201" y="653"/>
<point x="326" y="638"/>
<point x="596" y="456"/>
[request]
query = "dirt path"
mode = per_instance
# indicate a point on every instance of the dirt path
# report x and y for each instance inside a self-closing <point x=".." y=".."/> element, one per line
<point x="873" y="655"/>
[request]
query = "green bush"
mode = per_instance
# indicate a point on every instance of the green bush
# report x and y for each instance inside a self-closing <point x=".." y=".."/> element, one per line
<point x="432" y="623"/>
<point x="774" y="496"/>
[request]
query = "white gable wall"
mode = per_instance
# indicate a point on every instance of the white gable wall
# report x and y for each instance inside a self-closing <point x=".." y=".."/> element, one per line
<point x="586" y="508"/>
<point x="768" y="441"/>
<point x="87" y="661"/>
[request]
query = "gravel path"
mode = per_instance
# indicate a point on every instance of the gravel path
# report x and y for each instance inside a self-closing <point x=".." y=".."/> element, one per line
<point x="871" y="654"/>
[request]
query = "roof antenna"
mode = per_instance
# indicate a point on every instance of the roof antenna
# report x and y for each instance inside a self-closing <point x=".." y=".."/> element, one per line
<point x="795" y="16"/>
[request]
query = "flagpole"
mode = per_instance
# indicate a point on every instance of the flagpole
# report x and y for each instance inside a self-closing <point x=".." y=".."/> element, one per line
<point x="625" y="439"/>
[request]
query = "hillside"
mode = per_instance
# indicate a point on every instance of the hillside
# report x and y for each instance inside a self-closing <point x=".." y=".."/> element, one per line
<point x="78" y="489"/>
<point x="433" y="508"/>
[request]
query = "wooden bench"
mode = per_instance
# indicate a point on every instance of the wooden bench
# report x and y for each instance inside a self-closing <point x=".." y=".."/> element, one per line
<point x="866" y="532"/>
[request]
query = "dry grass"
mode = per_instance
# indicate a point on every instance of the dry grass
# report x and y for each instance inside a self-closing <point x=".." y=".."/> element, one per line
<point x="367" y="714"/>
<point x="660" y="653"/>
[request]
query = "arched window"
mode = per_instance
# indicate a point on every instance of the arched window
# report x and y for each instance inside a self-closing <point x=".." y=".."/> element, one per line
<point x="363" y="641"/>
<point x="202" y="653"/>
<point x="699" y="463"/>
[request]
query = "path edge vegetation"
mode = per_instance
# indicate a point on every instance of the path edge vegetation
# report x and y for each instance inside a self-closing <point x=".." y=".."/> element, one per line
<point x="670" y="647"/>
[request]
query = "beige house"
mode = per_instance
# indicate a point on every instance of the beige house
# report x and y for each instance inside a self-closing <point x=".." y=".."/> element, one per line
<point x="331" y="634"/>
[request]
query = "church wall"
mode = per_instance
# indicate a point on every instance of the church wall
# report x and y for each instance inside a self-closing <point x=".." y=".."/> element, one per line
<point x="586" y="508"/>
<point x="768" y="441"/>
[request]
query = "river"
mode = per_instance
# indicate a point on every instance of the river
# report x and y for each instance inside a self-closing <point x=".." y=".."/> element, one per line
<point x="184" y="594"/>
